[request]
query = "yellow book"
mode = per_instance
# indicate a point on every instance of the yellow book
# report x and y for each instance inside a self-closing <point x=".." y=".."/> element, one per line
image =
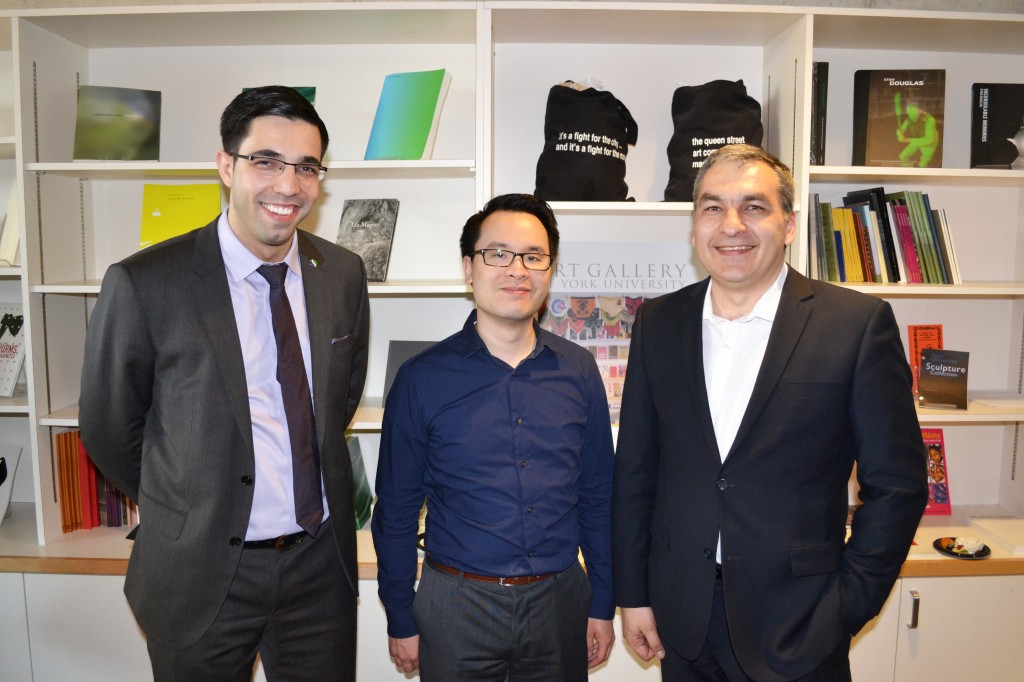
<point x="851" y="247"/>
<point x="170" y="210"/>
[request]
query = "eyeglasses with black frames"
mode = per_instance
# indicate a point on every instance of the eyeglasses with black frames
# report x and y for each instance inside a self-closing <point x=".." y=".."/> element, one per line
<point x="503" y="258"/>
<point x="269" y="166"/>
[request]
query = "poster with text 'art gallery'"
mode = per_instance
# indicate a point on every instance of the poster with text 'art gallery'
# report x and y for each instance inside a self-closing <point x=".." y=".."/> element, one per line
<point x="597" y="289"/>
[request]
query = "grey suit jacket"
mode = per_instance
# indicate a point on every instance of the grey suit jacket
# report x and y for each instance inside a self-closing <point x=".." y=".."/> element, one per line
<point x="834" y="388"/>
<point x="164" y="413"/>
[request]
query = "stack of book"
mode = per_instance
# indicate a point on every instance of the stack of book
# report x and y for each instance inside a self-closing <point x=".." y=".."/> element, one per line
<point x="881" y="237"/>
<point x="87" y="499"/>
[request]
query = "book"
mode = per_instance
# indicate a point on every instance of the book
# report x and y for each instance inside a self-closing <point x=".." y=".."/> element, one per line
<point x="920" y="337"/>
<point x="905" y="234"/>
<point x="10" y="233"/>
<point x="398" y="352"/>
<point x="362" y="494"/>
<point x="407" y="115"/>
<point x="875" y="197"/>
<point x="829" y="242"/>
<point x="307" y="91"/>
<point x="12" y="346"/>
<point x="943" y="379"/>
<point x="898" y="117"/>
<point x="170" y="210"/>
<point x="117" y="124"/>
<point x="937" y="240"/>
<point x="997" y="125"/>
<point x="819" y="111"/>
<point x="367" y="228"/>
<point x="842" y="220"/>
<point x="938" y="472"/>
<point x="947" y="246"/>
<point x="9" y="456"/>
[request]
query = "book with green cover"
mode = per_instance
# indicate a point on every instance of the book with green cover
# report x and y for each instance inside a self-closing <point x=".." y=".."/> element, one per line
<point x="407" y="115"/>
<point x="117" y="124"/>
<point x="170" y="210"/>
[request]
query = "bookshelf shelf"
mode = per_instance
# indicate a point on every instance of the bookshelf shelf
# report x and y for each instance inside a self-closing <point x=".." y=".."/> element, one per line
<point x="930" y="176"/>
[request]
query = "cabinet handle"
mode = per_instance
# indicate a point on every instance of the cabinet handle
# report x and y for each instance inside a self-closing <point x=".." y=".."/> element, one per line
<point x="914" y="609"/>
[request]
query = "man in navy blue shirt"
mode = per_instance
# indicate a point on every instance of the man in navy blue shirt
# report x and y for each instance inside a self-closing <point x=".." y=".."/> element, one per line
<point x="504" y="429"/>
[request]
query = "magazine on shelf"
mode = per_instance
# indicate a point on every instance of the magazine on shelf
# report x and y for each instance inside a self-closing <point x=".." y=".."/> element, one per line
<point x="938" y="472"/>
<point x="117" y="124"/>
<point x="943" y="379"/>
<point x="367" y="228"/>
<point x="898" y="117"/>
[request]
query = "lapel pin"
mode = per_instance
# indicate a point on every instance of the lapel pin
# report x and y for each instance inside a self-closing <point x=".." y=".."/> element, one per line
<point x="312" y="261"/>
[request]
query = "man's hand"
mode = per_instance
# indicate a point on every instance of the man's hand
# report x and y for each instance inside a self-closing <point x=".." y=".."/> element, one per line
<point x="641" y="632"/>
<point x="600" y="636"/>
<point x="405" y="652"/>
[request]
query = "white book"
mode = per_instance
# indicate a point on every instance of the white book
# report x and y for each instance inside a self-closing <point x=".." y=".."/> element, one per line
<point x="10" y="235"/>
<point x="12" y="346"/>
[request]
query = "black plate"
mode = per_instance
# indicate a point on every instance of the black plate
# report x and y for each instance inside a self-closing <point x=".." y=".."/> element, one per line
<point x="980" y="554"/>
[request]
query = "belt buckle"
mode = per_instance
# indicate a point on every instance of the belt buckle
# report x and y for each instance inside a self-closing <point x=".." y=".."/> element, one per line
<point x="501" y="581"/>
<point x="279" y="542"/>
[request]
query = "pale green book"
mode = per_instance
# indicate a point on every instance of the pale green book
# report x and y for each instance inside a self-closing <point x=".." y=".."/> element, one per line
<point x="117" y="124"/>
<point x="407" y="115"/>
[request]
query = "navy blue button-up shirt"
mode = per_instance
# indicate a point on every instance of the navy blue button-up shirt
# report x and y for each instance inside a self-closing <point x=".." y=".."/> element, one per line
<point x="515" y="465"/>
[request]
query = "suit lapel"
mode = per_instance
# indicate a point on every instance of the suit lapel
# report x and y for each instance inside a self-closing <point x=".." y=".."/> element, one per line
<point x="217" y="318"/>
<point x="315" y="272"/>
<point x="787" y="329"/>
<point x="692" y="339"/>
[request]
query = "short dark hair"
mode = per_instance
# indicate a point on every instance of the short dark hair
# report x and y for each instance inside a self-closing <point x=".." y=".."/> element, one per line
<point x="748" y="153"/>
<point x="513" y="203"/>
<point x="268" y="100"/>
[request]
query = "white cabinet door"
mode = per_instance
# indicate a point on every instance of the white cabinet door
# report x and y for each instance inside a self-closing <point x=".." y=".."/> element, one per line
<point x="966" y="628"/>
<point x="873" y="651"/>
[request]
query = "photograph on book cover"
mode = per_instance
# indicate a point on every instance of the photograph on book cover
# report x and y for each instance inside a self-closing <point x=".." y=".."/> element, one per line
<point x="898" y="117"/>
<point x="367" y="228"/>
<point x="938" y="472"/>
<point x="117" y="124"/>
<point x="597" y="289"/>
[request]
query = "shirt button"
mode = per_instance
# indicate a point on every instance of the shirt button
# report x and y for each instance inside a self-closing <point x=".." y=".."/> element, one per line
<point x="708" y="554"/>
<point x="235" y="541"/>
<point x="722" y="484"/>
<point x="522" y="463"/>
<point x="246" y="480"/>
<point x="529" y="554"/>
<point x="519" y="420"/>
<point x="529" y="510"/>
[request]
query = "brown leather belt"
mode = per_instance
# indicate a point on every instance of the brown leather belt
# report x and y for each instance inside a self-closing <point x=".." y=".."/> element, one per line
<point x="513" y="580"/>
<point x="280" y="543"/>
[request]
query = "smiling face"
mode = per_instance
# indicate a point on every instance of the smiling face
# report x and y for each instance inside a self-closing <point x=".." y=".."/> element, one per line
<point x="740" y="230"/>
<point x="508" y="296"/>
<point x="265" y="210"/>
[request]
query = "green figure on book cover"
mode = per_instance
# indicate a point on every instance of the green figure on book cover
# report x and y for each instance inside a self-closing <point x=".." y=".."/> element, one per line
<point x="918" y="131"/>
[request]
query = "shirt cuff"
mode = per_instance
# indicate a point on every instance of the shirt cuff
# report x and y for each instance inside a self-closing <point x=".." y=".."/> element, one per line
<point x="602" y="605"/>
<point x="401" y="624"/>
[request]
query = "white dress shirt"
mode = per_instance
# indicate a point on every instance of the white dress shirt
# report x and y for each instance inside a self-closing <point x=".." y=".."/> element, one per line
<point x="733" y="351"/>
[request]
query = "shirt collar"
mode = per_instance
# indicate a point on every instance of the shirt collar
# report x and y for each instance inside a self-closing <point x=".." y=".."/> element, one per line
<point x="239" y="261"/>
<point x="764" y="309"/>
<point x="472" y="343"/>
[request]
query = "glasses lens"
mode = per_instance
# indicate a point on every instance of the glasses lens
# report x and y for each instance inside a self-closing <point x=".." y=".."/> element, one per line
<point x="267" y="166"/>
<point x="536" y="261"/>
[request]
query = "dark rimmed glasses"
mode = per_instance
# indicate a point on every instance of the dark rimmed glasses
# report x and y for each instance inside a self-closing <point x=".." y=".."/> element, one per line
<point x="503" y="258"/>
<point x="269" y="166"/>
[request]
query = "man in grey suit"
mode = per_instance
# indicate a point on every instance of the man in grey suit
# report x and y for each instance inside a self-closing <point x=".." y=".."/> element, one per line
<point x="749" y="397"/>
<point x="216" y="391"/>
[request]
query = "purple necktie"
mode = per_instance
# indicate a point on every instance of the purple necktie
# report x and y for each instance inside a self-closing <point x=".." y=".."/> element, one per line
<point x="298" y="407"/>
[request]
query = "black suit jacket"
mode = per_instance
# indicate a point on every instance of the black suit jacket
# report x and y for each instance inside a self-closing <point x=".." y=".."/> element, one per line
<point x="834" y="388"/>
<point x="164" y="413"/>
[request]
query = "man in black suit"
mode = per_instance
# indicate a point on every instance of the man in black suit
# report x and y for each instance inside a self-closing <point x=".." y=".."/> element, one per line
<point x="189" y="407"/>
<point x="749" y="397"/>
